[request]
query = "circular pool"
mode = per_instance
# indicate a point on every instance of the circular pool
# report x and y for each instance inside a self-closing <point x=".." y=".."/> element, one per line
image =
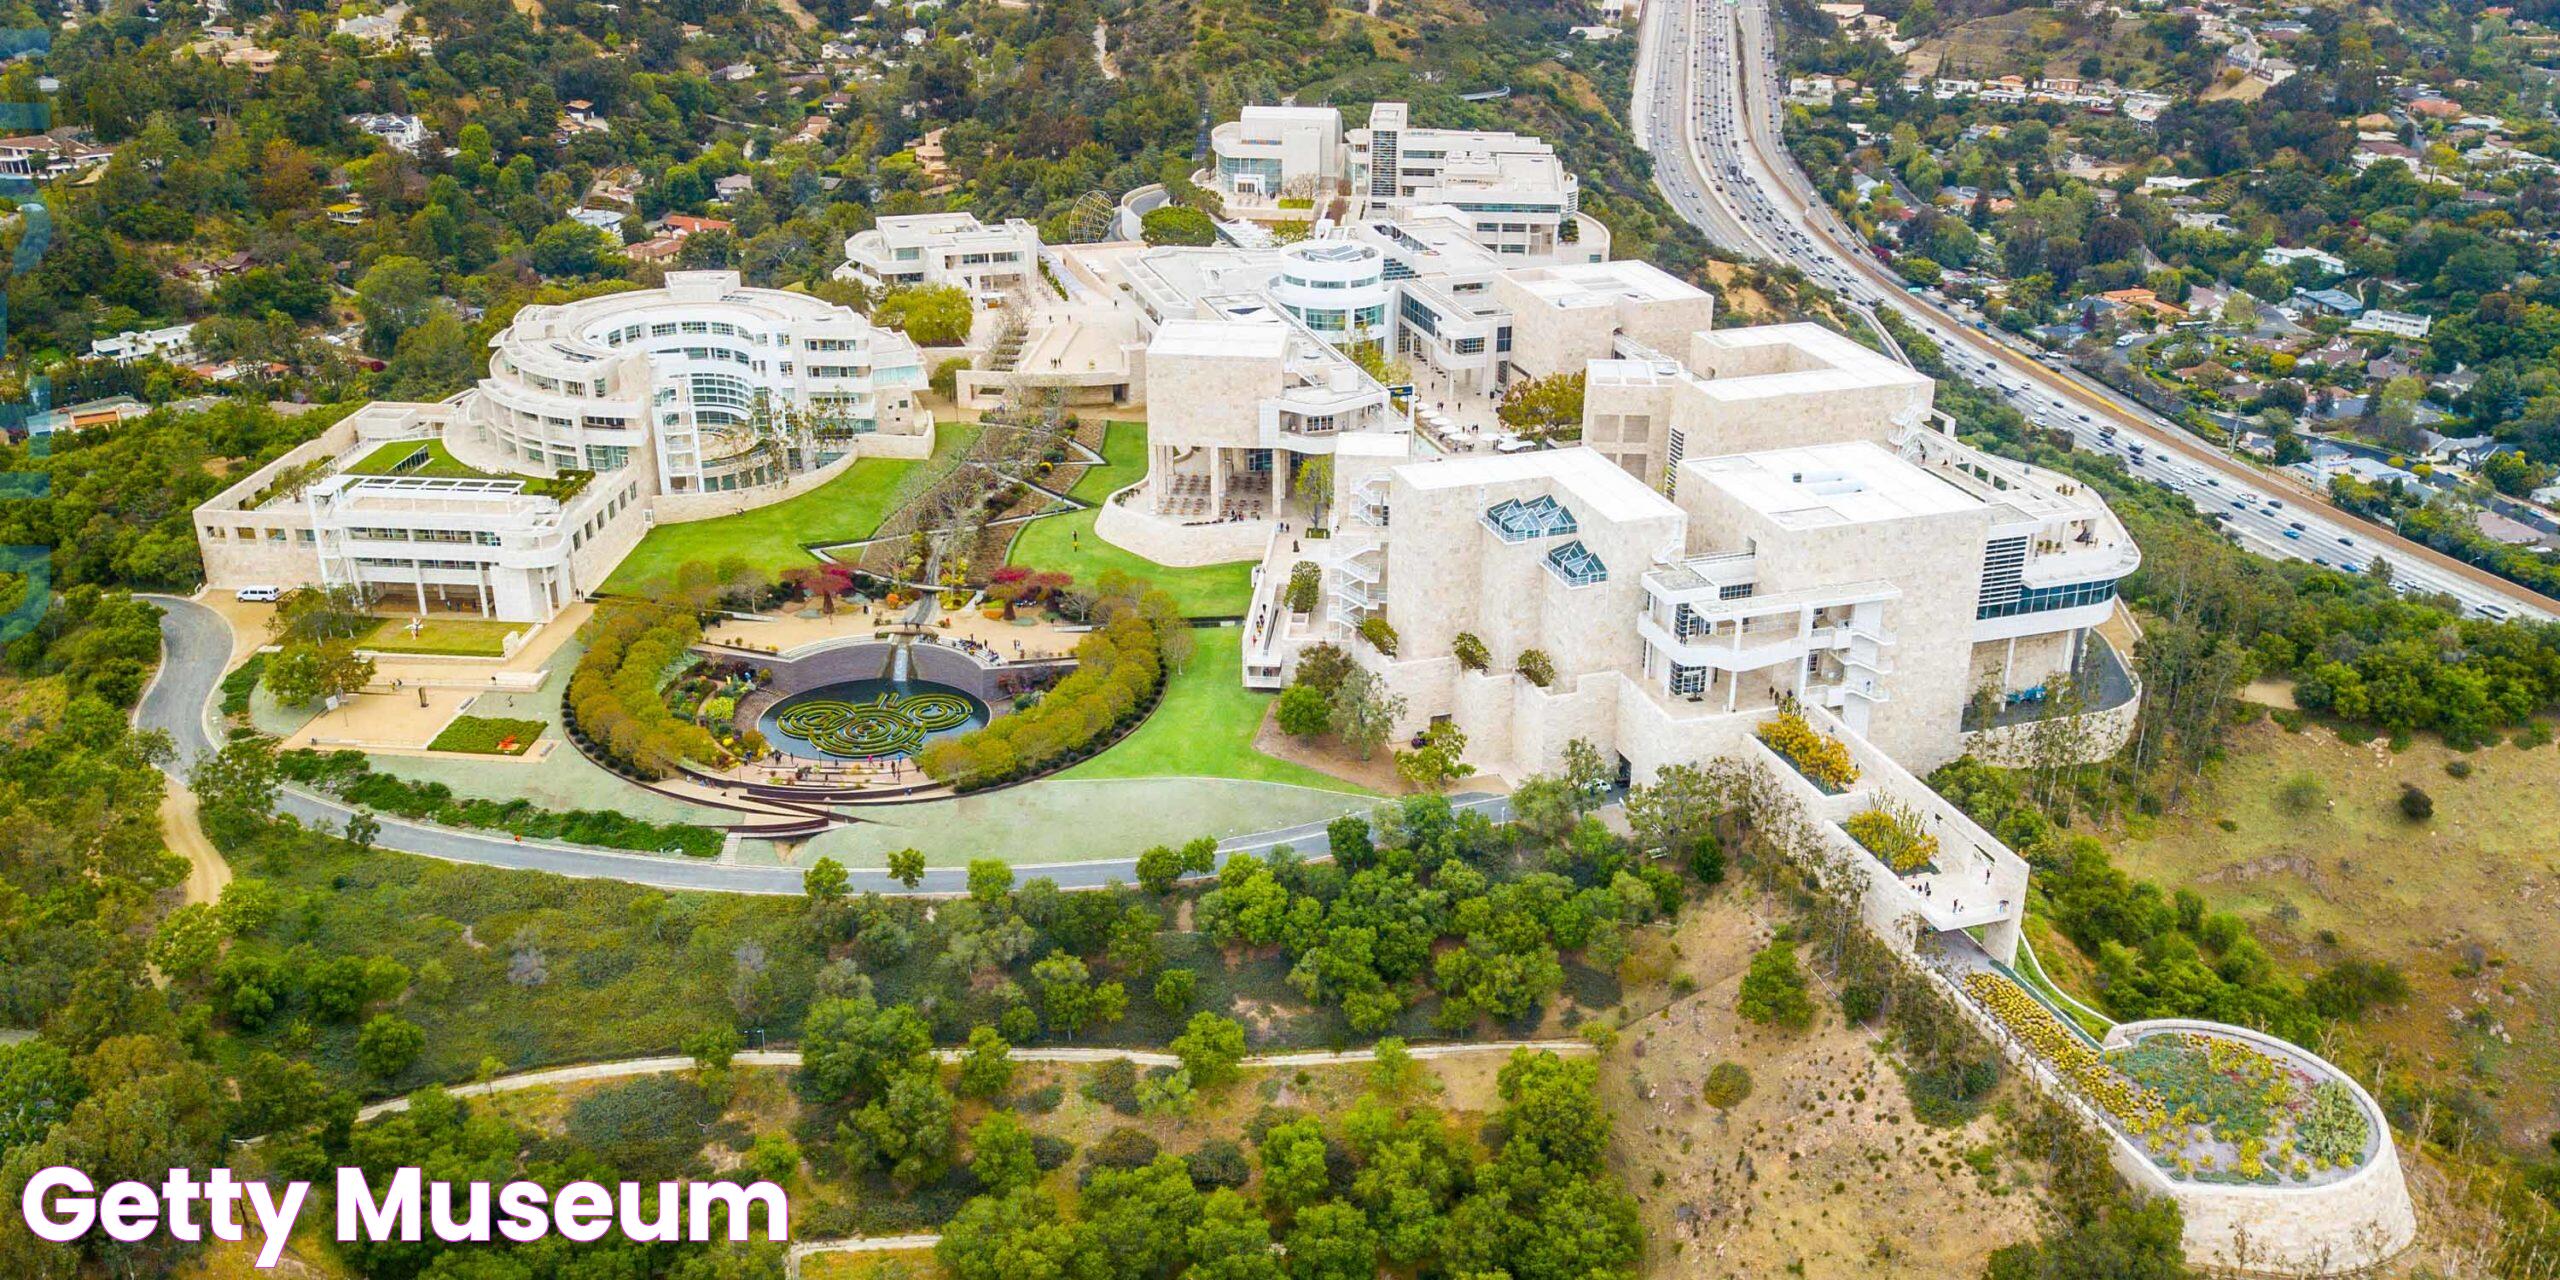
<point x="869" y="719"/>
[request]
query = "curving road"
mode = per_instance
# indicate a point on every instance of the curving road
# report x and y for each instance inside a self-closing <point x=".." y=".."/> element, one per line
<point x="1709" y="99"/>
<point x="195" y="647"/>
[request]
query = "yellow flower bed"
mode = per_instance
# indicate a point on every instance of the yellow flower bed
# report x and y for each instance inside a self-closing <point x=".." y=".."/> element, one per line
<point x="1816" y="755"/>
<point x="1894" y="837"/>
<point x="2133" y="1106"/>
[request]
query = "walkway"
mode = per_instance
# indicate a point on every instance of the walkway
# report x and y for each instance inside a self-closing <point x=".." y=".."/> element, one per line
<point x="196" y="647"/>
<point x="790" y="1058"/>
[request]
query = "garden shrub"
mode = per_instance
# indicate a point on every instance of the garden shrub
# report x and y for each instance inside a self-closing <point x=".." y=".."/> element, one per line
<point x="1537" y="668"/>
<point x="1728" y="1085"/>
<point x="349" y="777"/>
<point x="1892" y="833"/>
<point x="1118" y="677"/>
<point x="1115" y="1085"/>
<point x="1219" y="1162"/>
<point x="1819" y="757"/>
<point x="1122" y="1148"/>
<point x="1380" y="635"/>
<point x="615" y="705"/>
<point x="2416" y="805"/>
<point x="1471" y="652"/>
<point x="1306" y="583"/>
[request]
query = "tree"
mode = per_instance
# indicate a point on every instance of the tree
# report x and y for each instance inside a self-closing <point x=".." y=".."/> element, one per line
<point x="1333" y="1241"/>
<point x="240" y="777"/>
<point x="1016" y="1236"/>
<point x="906" y="1130"/>
<point x="1293" y="1165"/>
<point x="1547" y="408"/>
<point x="1177" y="224"/>
<point x="363" y="828"/>
<point x="187" y="943"/>
<point x="1145" y="1214"/>
<point x="2126" y="1240"/>
<point x="986" y="1066"/>
<point x="2416" y="805"/>
<point x="568" y="249"/>
<point x="825" y="880"/>
<point x="38" y="1088"/>
<point x="906" y="866"/>
<point x="1231" y="1241"/>
<point x="1211" y="1048"/>
<point x="1070" y="1000"/>
<point x="387" y="1046"/>
<point x="1159" y="868"/>
<point x="433" y="359"/>
<point x="713" y="1046"/>
<point x="303" y="672"/>
<point x="990" y="879"/>
<point x="1435" y="764"/>
<point x="395" y="295"/>
<point x="1174" y="988"/>
<point x="1773" y="989"/>
<point x="1304" y="712"/>
<point x="1364" y="713"/>
<point x="852" y="1048"/>
<point x="931" y="315"/>
<point x="1001" y="1155"/>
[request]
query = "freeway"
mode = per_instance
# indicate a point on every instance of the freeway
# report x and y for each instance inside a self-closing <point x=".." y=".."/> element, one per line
<point x="195" y="646"/>
<point x="1708" y="106"/>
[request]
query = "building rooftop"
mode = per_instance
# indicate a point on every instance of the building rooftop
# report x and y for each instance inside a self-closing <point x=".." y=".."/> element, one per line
<point x="1833" y="484"/>
<point x="1596" y="284"/>
<point x="1601" y="489"/>
<point x="1240" y="339"/>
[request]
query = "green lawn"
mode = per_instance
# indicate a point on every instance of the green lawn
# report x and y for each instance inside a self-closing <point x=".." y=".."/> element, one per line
<point x="488" y="735"/>
<point x="1067" y="543"/>
<point x="847" y="508"/>
<point x="1124" y="461"/>
<point x="1204" y="728"/>
<point x="440" y="463"/>
<point x="451" y="637"/>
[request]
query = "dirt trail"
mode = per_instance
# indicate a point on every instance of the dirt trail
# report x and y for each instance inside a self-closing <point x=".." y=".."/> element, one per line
<point x="206" y="871"/>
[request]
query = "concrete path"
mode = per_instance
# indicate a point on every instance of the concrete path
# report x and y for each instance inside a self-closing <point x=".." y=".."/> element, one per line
<point x="790" y="1058"/>
<point x="196" y="647"/>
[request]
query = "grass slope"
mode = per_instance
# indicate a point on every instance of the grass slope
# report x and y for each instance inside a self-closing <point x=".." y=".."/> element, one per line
<point x="1205" y="727"/>
<point x="2461" y="901"/>
<point x="846" y="508"/>
<point x="1066" y="542"/>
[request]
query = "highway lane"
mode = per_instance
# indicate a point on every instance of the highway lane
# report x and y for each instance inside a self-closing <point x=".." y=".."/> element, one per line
<point x="1712" y="66"/>
<point x="195" y="645"/>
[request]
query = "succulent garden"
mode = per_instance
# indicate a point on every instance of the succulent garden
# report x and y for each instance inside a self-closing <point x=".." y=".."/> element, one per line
<point x="2205" y="1108"/>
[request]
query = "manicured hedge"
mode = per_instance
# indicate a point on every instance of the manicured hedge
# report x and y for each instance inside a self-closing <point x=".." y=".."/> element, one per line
<point x="349" y="777"/>
<point x="614" y="703"/>
<point x="1118" y="677"/>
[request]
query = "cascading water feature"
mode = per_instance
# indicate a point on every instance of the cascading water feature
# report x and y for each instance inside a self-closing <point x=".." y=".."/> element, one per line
<point x="902" y="661"/>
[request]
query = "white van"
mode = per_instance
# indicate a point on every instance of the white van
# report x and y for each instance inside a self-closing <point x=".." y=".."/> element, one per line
<point x="258" y="595"/>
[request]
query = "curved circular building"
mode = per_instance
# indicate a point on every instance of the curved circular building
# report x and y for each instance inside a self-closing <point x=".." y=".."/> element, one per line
<point x="716" y="386"/>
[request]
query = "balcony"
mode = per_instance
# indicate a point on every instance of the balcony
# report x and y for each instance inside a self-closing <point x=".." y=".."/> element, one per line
<point x="2101" y="683"/>
<point x="1731" y="649"/>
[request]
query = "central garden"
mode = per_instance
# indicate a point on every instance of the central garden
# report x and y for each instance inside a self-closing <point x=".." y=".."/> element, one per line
<point x="870" y="719"/>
